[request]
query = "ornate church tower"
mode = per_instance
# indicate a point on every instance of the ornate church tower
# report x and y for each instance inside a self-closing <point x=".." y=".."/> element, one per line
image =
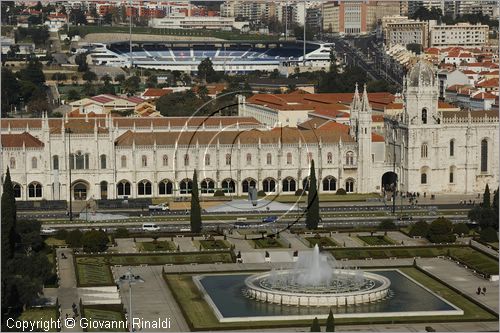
<point x="361" y="131"/>
<point x="419" y="130"/>
<point x="364" y="138"/>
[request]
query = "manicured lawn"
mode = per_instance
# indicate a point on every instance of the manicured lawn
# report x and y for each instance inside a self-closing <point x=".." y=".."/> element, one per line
<point x="476" y="260"/>
<point x="472" y="258"/>
<point x="112" y="313"/>
<point x="376" y="240"/>
<point x="54" y="242"/>
<point x="329" y="197"/>
<point x="200" y="316"/>
<point x="265" y="243"/>
<point x="156" y="246"/>
<point x="34" y="314"/>
<point x="93" y="271"/>
<point x="494" y="245"/>
<point x="174" y="32"/>
<point x="217" y="244"/>
<point x="321" y="241"/>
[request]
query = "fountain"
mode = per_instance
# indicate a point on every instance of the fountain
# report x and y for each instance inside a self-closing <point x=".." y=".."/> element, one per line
<point x="317" y="280"/>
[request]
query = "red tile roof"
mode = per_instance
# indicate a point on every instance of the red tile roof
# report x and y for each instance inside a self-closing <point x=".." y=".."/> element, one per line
<point x="20" y="140"/>
<point x="490" y="83"/>
<point x="156" y="92"/>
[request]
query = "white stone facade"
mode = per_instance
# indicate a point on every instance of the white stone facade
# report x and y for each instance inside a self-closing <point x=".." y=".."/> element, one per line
<point x="435" y="152"/>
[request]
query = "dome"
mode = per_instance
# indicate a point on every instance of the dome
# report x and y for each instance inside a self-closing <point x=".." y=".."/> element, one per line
<point x="421" y="74"/>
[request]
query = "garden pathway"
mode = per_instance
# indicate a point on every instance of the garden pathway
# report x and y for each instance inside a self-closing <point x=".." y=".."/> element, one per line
<point x="67" y="292"/>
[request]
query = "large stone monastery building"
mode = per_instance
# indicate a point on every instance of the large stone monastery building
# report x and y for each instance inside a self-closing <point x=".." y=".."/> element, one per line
<point x="423" y="149"/>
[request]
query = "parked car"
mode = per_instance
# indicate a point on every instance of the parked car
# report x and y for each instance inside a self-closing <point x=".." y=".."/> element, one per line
<point x="270" y="219"/>
<point x="161" y="207"/>
<point x="48" y="231"/>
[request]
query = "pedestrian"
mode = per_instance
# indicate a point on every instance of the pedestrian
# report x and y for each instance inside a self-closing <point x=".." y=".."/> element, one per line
<point x="418" y="194"/>
<point x="478" y="290"/>
<point x="484" y="290"/>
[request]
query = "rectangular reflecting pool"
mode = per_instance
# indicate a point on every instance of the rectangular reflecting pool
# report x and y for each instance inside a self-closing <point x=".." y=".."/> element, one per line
<point x="407" y="297"/>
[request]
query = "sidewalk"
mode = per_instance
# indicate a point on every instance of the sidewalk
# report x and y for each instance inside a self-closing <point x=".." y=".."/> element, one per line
<point x="67" y="292"/>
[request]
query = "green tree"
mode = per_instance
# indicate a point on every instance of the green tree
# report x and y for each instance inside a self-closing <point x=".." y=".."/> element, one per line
<point x="74" y="238"/>
<point x="441" y="231"/>
<point x="59" y="77"/>
<point x="312" y="212"/>
<point x="315" y="325"/>
<point x="131" y="85"/>
<point x="38" y="105"/>
<point x="330" y="322"/>
<point x="106" y="78"/>
<point x="206" y="71"/>
<point x="73" y="95"/>
<point x="488" y="235"/>
<point x="9" y="220"/>
<point x="195" y="217"/>
<point x="120" y="78"/>
<point x="29" y="235"/>
<point x="10" y="90"/>
<point x="33" y="72"/>
<point x="89" y="76"/>
<point x="81" y="61"/>
<point x="486" y="197"/>
<point x="460" y="229"/>
<point x="203" y="92"/>
<point x="152" y="81"/>
<point x="94" y="241"/>
<point x="420" y="228"/>
<point x="387" y="225"/>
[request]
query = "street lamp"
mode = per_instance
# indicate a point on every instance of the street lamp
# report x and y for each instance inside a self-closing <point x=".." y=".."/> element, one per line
<point x="131" y="279"/>
<point x="68" y="131"/>
<point x="394" y="126"/>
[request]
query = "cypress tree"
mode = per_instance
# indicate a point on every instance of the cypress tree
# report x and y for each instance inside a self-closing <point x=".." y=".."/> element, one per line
<point x="8" y="219"/>
<point x="486" y="197"/>
<point x="315" y="325"/>
<point x="312" y="213"/>
<point x="330" y="322"/>
<point x="195" y="206"/>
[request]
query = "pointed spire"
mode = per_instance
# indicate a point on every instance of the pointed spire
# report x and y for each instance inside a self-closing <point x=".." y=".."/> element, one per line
<point x="365" y="103"/>
<point x="355" y="100"/>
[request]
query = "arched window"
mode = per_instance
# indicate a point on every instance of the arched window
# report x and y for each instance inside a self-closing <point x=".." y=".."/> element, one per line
<point x="123" y="188"/>
<point x="34" y="163"/>
<point x="207" y="159"/>
<point x="186" y="160"/>
<point x="484" y="155"/>
<point x="55" y="162"/>
<point x="349" y="158"/>
<point x="249" y="159"/>
<point x="289" y="158"/>
<point x="305" y="184"/>
<point x="17" y="190"/>
<point x="228" y="159"/>
<point x="12" y="163"/>
<point x="423" y="150"/>
<point x="452" y="175"/>
<point x="103" y="161"/>
<point x="185" y="186"/>
<point x="452" y="147"/>
<point x="144" y="161"/>
<point x="207" y="186"/>
<point x="349" y="185"/>
<point x="269" y="185"/>
<point x="269" y="159"/>
<point x="165" y="160"/>
<point x="35" y="190"/>
<point x="144" y="187"/>
<point x="289" y="185"/>
<point x="104" y="190"/>
<point x="248" y="183"/>
<point x="423" y="178"/>
<point x="424" y="116"/>
<point x="123" y="161"/>
<point x="79" y="161"/>
<point x="329" y="158"/>
<point x="228" y="186"/>
<point x="329" y="184"/>
<point x="165" y="187"/>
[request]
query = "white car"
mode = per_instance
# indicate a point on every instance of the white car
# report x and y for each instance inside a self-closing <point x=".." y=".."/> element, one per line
<point x="48" y="231"/>
<point x="162" y="207"/>
<point x="150" y="227"/>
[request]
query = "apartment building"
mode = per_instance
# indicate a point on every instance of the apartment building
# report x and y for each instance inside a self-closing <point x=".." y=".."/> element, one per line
<point x="403" y="31"/>
<point x="464" y="34"/>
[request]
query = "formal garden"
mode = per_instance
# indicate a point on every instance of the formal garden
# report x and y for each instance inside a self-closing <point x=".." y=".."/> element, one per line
<point x="104" y="313"/>
<point x="376" y="240"/>
<point x="321" y="241"/>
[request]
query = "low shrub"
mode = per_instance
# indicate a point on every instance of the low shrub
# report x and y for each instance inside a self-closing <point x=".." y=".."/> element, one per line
<point x="387" y="225"/>
<point x="300" y="192"/>
<point x="460" y="229"/>
<point x="488" y="235"/>
<point x="219" y="193"/>
<point x="121" y="233"/>
<point x="421" y="228"/>
<point x="341" y="191"/>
